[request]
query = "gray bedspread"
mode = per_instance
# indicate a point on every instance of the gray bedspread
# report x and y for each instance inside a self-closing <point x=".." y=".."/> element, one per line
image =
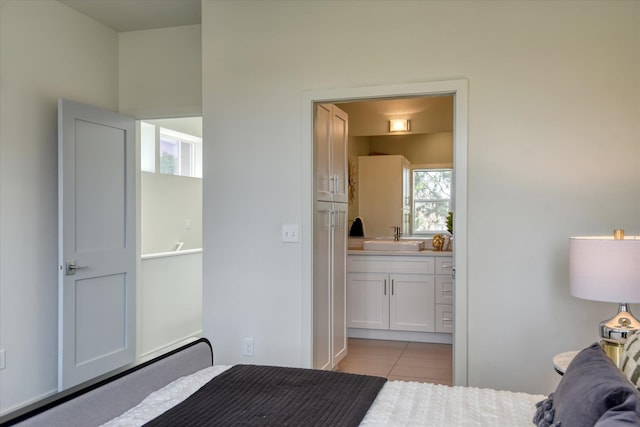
<point x="250" y="395"/>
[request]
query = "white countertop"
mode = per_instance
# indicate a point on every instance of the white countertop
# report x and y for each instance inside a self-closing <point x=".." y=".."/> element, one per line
<point x="425" y="252"/>
<point x="355" y="248"/>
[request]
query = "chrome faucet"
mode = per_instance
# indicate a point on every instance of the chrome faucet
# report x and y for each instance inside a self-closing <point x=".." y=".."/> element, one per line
<point x="396" y="232"/>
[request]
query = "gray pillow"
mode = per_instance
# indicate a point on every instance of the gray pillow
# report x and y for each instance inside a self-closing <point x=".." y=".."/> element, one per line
<point x="592" y="392"/>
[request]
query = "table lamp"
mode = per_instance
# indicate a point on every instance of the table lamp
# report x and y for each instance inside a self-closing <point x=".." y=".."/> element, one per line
<point x="608" y="269"/>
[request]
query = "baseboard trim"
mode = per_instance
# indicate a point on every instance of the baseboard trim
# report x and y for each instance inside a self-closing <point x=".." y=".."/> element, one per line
<point x="377" y="334"/>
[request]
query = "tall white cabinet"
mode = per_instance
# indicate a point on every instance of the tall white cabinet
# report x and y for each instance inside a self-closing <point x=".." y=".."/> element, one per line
<point x="330" y="236"/>
<point x="384" y="183"/>
<point x="330" y="149"/>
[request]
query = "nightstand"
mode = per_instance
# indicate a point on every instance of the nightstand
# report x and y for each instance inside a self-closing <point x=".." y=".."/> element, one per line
<point x="562" y="360"/>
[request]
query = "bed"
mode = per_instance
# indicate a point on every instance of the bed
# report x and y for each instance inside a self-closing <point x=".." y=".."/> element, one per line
<point x="185" y="388"/>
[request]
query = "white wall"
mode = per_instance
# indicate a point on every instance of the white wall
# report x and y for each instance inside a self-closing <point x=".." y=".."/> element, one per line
<point x="422" y="149"/>
<point x="160" y="72"/>
<point x="170" y="308"/>
<point x="47" y="51"/>
<point x="553" y="93"/>
<point x="167" y="202"/>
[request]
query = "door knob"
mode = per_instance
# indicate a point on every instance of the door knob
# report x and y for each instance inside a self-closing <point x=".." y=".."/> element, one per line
<point x="71" y="267"/>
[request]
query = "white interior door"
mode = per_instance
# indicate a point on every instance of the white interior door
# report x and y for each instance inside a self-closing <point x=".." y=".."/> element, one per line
<point x="96" y="238"/>
<point x="339" y="284"/>
<point x="322" y="287"/>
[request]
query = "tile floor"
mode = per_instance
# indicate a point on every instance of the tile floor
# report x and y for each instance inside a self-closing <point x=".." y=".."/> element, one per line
<point x="400" y="360"/>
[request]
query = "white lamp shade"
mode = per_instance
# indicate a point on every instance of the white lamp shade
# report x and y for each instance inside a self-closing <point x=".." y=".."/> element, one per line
<point x="605" y="269"/>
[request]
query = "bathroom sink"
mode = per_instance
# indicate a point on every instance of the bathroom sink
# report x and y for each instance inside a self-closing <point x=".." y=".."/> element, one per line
<point x="393" y="245"/>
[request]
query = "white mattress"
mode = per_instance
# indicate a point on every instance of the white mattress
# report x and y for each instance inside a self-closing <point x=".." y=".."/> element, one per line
<point x="399" y="403"/>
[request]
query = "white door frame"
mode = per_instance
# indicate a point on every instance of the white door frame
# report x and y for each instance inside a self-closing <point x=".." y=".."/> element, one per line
<point x="457" y="88"/>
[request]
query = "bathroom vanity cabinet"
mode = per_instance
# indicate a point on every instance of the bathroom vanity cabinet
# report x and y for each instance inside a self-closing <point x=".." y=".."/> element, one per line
<point x="400" y="293"/>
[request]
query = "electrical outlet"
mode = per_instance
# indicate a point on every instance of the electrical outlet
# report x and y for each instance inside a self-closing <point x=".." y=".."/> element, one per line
<point x="247" y="346"/>
<point x="290" y="233"/>
<point x="2" y="359"/>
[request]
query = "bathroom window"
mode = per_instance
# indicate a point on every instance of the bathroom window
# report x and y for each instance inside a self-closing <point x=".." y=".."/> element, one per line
<point x="431" y="200"/>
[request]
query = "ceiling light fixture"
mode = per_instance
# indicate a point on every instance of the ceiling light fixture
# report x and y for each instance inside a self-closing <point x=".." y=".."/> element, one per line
<point x="399" y="125"/>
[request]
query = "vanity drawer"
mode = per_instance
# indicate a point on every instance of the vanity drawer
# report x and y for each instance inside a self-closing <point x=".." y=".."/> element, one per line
<point x="444" y="265"/>
<point x="444" y="318"/>
<point x="444" y="290"/>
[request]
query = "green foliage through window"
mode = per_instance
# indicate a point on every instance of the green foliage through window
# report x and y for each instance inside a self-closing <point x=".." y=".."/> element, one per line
<point x="168" y="164"/>
<point x="431" y="200"/>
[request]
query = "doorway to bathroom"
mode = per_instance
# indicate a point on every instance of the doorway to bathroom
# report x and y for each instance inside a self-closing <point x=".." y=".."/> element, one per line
<point x="400" y="188"/>
<point x="458" y="90"/>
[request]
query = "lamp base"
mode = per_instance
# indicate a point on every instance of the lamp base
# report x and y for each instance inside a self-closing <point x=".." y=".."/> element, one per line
<point x="614" y="350"/>
<point x="619" y="327"/>
<point x="615" y="331"/>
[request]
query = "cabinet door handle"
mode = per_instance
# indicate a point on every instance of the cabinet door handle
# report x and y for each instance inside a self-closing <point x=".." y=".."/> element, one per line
<point x="392" y="287"/>
<point x="447" y="266"/>
<point x="334" y="184"/>
<point x="385" y="286"/>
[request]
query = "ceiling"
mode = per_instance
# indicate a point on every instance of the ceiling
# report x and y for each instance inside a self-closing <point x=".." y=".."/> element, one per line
<point x="428" y="114"/>
<point x="135" y="15"/>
